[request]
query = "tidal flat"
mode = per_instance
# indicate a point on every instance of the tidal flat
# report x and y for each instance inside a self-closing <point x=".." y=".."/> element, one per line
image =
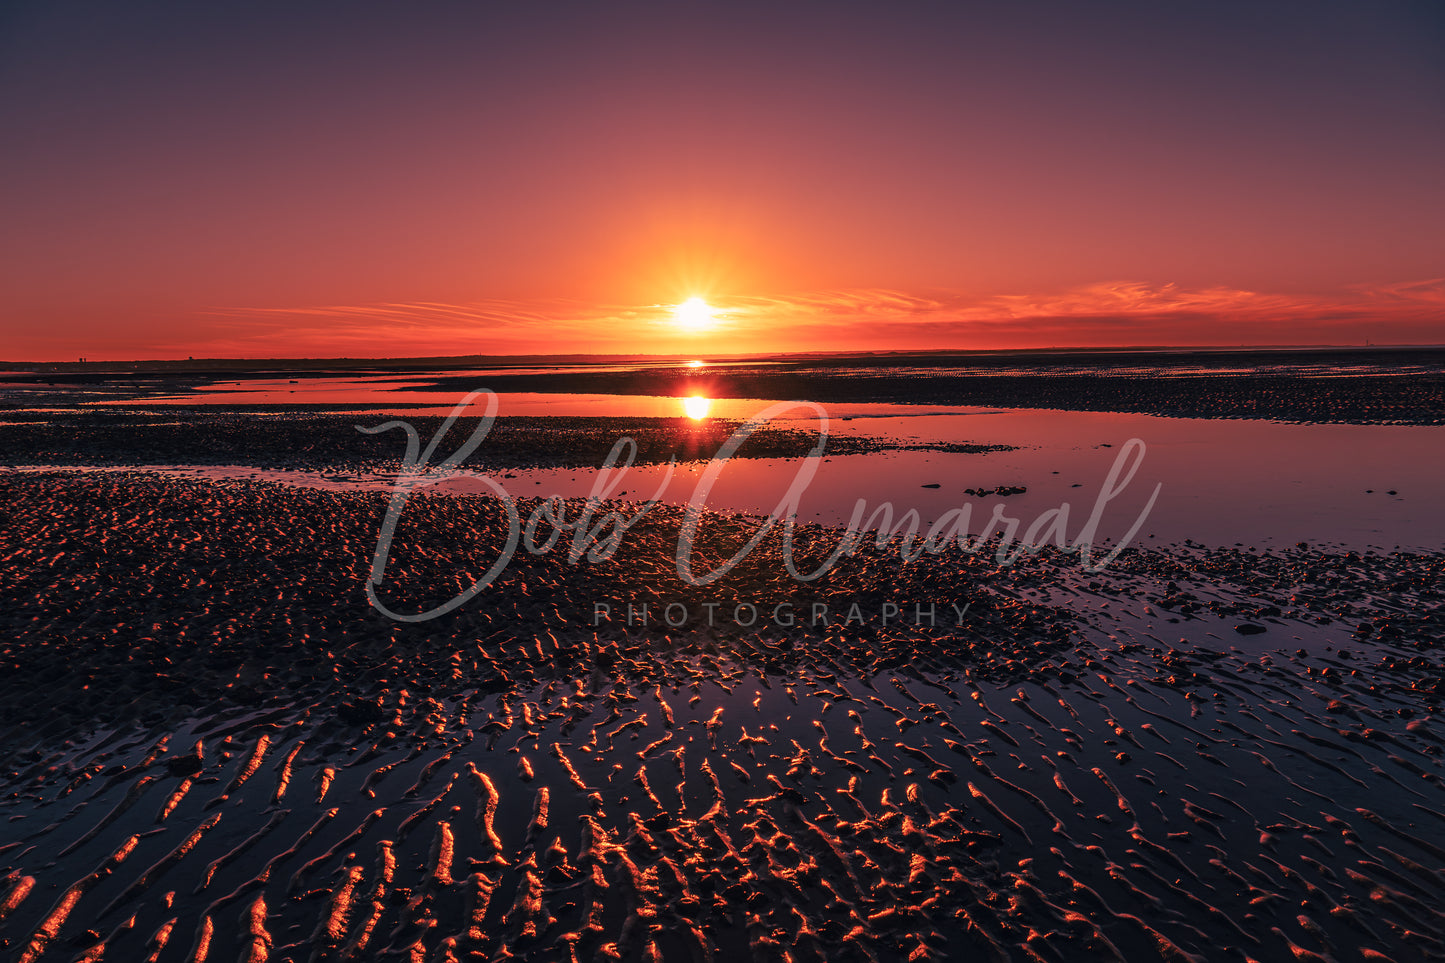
<point x="213" y="744"/>
<point x="212" y="740"/>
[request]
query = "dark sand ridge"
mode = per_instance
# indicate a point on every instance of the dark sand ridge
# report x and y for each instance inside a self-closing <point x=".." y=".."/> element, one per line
<point x="262" y="762"/>
<point x="208" y="437"/>
<point x="1413" y="397"/>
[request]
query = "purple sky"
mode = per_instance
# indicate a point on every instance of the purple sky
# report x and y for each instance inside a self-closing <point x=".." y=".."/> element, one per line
<point x="387" y="179"/>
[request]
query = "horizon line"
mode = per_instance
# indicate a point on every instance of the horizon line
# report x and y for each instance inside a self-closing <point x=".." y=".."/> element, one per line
<point x="594" y="357"/>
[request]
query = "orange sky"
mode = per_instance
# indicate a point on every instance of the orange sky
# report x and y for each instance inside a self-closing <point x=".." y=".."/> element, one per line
<point x="376" y="179"/>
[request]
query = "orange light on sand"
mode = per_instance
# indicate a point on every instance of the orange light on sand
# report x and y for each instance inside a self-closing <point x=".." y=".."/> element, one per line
<point x="696" y="407"/>
<point x="694" y="314"/>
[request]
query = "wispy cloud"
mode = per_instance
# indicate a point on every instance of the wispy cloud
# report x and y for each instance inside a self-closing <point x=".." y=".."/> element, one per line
<point x="408" y="328"/>
<point x="1105" y="313"/>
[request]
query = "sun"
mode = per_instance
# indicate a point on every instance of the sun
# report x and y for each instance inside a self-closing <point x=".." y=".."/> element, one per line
<point x="694" y="314"/>
<point x="696" y="407"/>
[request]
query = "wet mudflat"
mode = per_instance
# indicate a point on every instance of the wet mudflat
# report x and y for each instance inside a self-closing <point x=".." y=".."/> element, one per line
<point x="312" y="440"/>
<point x="1321" y="396"/>
<point x="213" y="745"/>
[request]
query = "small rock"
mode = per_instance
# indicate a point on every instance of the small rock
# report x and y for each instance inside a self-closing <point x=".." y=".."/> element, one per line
<point x="187" y="765"/>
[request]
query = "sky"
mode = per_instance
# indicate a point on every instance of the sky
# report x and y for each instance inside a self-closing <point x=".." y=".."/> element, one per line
<point x="383" y="179"/>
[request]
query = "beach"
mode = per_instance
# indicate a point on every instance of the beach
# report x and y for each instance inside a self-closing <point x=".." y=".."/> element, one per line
<point x="707" y="483"/>
<point x="217" y="742"/>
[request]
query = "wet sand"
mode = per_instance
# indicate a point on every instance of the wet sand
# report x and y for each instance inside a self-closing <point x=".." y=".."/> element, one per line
<point x="213" y="746"/>
<point x="1316" y="394"/>
<point x="313" y="440"/>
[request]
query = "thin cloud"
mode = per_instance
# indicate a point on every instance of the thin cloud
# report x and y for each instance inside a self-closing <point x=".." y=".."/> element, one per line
<point x="1120" y="312"/>
<point x="1108" y="313"/>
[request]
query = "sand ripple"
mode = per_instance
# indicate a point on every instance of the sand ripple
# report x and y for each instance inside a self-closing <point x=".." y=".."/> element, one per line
<point x="213" y="749"/>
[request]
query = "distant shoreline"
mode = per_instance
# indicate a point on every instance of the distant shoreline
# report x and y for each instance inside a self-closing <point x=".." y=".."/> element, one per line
<point x="1377" y="353"/>
<point x="1404" y="386"/>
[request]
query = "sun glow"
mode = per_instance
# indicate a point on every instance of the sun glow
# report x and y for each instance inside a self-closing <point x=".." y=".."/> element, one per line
<point x="696" y="407"/>
<point x="694" y="314"/>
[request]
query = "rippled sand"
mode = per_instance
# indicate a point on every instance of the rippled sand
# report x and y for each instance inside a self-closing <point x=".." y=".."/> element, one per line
<point x="212" y="746"/>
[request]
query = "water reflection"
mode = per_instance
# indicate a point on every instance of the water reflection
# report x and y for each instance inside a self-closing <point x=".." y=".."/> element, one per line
<point x="696" y="407"/>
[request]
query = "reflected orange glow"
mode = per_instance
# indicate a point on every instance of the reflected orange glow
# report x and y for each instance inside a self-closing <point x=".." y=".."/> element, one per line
<point x="696" y="407"/>
<point x="696" y="364"/>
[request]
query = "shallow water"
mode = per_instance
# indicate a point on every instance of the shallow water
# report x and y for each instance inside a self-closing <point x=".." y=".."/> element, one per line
<point x="1220" y="482"/>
